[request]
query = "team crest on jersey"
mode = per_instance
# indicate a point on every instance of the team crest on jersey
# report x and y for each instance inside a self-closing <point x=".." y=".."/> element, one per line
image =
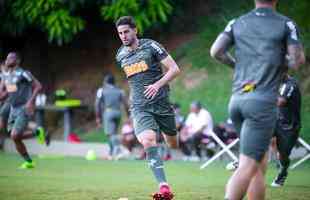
<point x="135" y="68"/>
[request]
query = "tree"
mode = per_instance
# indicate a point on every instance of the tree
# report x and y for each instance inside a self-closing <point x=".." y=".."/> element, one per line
<point x="60" y="21"/>
<point x="146" y="12"/>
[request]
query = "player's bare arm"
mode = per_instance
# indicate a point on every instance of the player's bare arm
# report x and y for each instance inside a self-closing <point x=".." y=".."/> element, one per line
<point x="36" y="88"/>
<point x="220" y="50"/>
<point x="97" y="112"/>
<point x="295" y="56"/>
<point x="3" y="91"/>
<point x="173" y="71"/>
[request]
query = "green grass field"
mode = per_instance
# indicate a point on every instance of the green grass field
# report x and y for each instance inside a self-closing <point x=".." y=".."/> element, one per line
<point x="78" y="179"/>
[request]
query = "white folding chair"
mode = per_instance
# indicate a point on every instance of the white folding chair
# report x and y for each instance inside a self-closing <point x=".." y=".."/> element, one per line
<point x="225" y="149"/>
<point x="306" y="157"/>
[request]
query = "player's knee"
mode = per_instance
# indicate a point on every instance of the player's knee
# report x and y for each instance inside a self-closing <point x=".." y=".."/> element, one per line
<point x="248" y="166"/>
<point x="15" y="136"/>
<point x="173" y="144"/>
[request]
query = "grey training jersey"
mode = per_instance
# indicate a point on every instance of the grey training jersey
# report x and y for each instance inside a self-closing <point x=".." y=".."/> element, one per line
<point x="18" y="84"/>
<point x="260" y="39"/>
<point x="142" y="68"/>
<point x="110" y="97"/>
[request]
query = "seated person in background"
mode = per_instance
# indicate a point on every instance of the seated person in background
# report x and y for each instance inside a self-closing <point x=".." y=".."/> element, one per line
<point x="226" y="131"/>
<point x="129" y="141"/>
<point x="198" y="126"/>
<point x="128" y="138"/>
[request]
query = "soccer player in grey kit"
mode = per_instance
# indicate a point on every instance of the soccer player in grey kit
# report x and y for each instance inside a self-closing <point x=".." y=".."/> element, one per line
<point x="266" y="43"/>
<point x="22" y="88"/>
<point x="108" y="103"/>
<point x="152" y="113"/>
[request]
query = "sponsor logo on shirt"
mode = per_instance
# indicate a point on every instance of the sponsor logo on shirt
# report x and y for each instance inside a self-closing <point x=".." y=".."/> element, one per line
<point x="136" y="68"/>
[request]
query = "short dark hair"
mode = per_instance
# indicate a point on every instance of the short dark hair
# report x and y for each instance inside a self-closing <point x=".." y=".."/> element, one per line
<point x="109" y="79"/>
<point x="18" y="56"/>
<point x="126" y="20"/>
<point x="196" y="104"/>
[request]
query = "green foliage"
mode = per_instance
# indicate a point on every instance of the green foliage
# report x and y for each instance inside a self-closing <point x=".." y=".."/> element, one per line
<point x="146" y="13"/>
<point x="298" y="11"/>
<point x="56" y="19"/>
<point x="51" y="16"/>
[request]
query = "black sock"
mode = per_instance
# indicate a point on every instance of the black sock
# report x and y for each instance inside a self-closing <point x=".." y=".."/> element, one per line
<point x="284" y="164"/>
<point x="27" y="157"/>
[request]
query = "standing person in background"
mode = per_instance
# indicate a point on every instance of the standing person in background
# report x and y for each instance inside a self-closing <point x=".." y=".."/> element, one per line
<point x="5" y="107"/>
<point x="288" y="125"/>
<point x="142" y="61"/>
<point x="266" y="43"/>
<point x="108" y="112"/>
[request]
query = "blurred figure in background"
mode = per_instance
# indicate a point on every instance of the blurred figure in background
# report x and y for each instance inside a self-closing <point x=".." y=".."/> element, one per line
<point x="108" y="112"/>
<point x="288" y="125"/>
<point x="179" y="118"/>
<point x="196" y="128"/>
<point x="4" y="106"/>
<point x="226" y="131"/>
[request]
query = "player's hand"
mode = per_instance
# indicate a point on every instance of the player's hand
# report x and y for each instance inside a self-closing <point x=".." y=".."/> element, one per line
<point x="98" y="122"/>
<point x="281" y="101"/>
<point x="29" y="108"/>
<point x="151" y="91"/>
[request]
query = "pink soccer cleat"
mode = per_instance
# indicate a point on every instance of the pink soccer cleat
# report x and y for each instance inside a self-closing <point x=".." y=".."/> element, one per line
<point x="164" y="193"/>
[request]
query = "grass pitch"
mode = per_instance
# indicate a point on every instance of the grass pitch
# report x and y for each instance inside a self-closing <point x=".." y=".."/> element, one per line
<point x="78" y="179"/>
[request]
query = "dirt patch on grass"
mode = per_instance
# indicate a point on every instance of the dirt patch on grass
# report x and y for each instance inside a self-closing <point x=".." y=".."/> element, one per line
<point x="192" y="78"/>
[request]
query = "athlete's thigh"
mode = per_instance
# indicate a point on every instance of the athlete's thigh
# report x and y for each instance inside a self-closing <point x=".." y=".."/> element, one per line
<point x="111" y="121"/>
<point x="21" y="121"/>
<point x="257" y="128"/>
<point x="143" y="120"/>
<point x="235" y="114"/>
<point x="5" y="112"/>
<point x="165" y="118"/>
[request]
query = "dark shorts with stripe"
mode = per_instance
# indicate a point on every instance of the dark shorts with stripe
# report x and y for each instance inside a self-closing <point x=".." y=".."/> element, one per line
<point x="158" y="116"/>
<point x="5" y="112"/>
<point x="18" y="119"/>
<point x="255" y="122"/>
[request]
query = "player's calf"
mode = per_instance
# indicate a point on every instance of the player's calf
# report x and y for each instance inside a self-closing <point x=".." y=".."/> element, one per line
<point x="172" y="141"/>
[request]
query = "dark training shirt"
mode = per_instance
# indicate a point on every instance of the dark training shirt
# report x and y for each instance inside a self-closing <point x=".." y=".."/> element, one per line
<point x="142" y="67"/>
<point x="260" y="38"/>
